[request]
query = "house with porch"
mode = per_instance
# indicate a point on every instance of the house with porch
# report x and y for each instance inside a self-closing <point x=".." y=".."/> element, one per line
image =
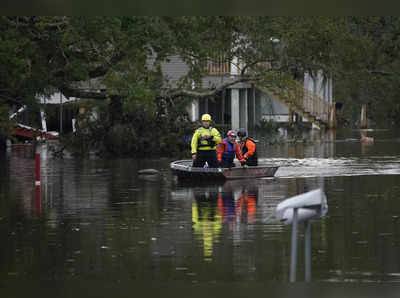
<point x="241" y="105"/>
<point x="244" y="105"/>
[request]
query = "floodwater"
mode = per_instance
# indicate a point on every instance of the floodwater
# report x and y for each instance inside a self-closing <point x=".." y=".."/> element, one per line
<point x="96" y="228"/>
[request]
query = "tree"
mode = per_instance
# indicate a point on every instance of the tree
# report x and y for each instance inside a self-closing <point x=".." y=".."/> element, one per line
<point x="117" y="60"/>
<point x="375" y="78"/>
<point x="59" y="52"/>
<point x="101" y="58"/>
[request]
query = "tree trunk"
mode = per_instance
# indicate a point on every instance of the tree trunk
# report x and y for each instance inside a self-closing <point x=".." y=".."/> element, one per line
<point x="363" y="119"/>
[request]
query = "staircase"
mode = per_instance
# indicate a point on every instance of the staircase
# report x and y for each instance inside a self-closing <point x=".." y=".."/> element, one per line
<point x="304" y="103"/>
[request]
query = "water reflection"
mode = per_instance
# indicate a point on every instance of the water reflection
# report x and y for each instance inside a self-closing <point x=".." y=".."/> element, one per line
<point x="212" y="208"/>
<point x="99" y="220"/>
<point x="242" y="209"/>
<point x="206" y="220"/>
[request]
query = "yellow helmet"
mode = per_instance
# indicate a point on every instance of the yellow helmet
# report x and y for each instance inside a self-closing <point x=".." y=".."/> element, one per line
<point x="206" y="117"/>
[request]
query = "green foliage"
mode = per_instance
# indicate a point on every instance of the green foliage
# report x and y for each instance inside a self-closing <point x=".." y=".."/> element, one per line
<point x="266" y="127"/>
<point x="118" y="61"/>
<point x="139" y="133"/>
<point x="375" y="79"/>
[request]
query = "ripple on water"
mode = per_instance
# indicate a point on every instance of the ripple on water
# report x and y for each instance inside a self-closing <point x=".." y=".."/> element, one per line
<point x="326" y="167"/>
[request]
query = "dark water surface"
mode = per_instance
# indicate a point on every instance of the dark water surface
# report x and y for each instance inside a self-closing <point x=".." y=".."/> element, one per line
<point x="99" y="229"/>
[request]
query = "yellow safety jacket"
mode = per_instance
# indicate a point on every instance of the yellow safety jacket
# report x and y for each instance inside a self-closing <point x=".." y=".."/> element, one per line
<point x="202" y="144"/>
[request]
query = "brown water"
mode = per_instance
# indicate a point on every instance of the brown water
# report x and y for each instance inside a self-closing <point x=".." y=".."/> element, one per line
<point x="98" y="228"/>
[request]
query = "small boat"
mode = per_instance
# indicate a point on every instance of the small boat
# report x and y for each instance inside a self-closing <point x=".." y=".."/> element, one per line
<point x="183" y="169"/>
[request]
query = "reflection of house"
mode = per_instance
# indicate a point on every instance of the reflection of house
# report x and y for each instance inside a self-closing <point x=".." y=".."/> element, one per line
<point x="243" y="104"/>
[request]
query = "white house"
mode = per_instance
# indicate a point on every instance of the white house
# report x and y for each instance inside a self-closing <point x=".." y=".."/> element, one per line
<point x="242" y="105"/>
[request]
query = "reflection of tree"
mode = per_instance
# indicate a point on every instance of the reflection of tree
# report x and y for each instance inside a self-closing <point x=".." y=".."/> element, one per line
<point x="206" y="221"/>
<point x="20" y="172"/>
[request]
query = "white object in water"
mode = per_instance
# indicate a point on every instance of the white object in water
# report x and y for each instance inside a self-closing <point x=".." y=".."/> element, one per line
<point x="309" y="205"/>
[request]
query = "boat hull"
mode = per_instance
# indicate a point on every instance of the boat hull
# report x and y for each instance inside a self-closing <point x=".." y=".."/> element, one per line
<point x="183" y="170"/>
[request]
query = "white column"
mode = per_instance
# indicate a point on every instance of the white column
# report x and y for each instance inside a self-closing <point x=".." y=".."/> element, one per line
<point x="43" y="118"/>
<point x="244" y="109"/>
<point x="235" y="108"/>
<point x="234" y="66"/>
<point x="193" y="110"/>
<point x="253" y="98"/>
<point x="73" y="125"/>
<point x="308" y="82"/>
<point x="320" y="84"/>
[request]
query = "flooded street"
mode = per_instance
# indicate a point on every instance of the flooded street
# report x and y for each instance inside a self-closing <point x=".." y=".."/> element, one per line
<point x="97" y="222"/>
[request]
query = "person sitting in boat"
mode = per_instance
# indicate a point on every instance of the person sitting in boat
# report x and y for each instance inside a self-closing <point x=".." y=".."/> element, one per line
<point x="204" y="142"/>
<point x="248" y="148"/>
<point x="227" y="149"/>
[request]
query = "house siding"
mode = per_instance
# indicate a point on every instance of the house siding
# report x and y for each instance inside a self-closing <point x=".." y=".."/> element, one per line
<point x="174" y="70"/>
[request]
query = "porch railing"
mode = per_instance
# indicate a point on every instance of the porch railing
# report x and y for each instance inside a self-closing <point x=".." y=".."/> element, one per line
<point x="218" y="66"/>
<point x="298" y="99"/>
<point x="303" y="102"/>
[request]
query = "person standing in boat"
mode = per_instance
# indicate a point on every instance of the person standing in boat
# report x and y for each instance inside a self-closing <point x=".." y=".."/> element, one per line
<point x="204" y="142"/>
<point x="248" y="148"/>
<point x="227" y="150"/>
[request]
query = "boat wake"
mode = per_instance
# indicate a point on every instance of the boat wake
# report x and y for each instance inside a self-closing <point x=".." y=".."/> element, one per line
<point x="329" y="167"/>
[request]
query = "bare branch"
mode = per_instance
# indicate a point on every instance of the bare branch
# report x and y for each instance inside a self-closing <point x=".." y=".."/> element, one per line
<point x="97" y="71"/>
<point x="84" y="93"/>
<point x="382" y="73"/>
<point x="22" y="21"/>
<point x="208" y="93"/>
